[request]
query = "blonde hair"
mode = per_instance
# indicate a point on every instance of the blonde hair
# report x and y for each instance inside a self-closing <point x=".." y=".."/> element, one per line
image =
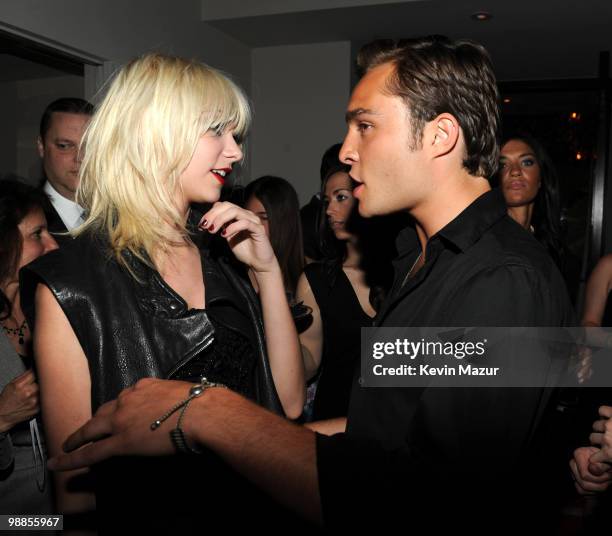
<point x="140" y="139"/>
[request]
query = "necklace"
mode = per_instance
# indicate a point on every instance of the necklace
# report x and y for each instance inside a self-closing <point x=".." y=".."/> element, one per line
<point x="17" y="331"/>
<point x="411" y="269"/>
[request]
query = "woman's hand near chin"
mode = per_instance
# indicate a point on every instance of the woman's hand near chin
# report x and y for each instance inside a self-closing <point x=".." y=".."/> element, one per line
<point x="245" y="235"/>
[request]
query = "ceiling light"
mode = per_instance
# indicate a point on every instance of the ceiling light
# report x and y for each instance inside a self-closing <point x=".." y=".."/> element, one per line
<point x="481" y="16"/>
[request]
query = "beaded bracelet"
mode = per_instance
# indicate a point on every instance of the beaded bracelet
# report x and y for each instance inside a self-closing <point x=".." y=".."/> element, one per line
<point x="177" y="435"/>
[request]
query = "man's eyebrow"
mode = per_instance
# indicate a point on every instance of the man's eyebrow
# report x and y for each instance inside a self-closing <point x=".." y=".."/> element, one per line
<point x="352" y="114"/>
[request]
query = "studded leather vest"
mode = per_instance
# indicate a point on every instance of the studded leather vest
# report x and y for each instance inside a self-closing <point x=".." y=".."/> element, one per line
<point x="132" y="328"/>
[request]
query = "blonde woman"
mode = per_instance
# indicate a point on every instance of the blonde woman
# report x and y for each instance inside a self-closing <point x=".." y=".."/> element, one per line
<point x="133" y="296"/>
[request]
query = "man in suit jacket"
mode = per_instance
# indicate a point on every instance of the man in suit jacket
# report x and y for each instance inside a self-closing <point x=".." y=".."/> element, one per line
<point x="61" y="128"/>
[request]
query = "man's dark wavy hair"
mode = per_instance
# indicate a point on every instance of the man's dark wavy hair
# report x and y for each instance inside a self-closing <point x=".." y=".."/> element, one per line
<point x="435" y="75"/>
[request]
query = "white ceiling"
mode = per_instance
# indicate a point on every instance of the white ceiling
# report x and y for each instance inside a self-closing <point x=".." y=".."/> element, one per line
<point x="528" y="39"/>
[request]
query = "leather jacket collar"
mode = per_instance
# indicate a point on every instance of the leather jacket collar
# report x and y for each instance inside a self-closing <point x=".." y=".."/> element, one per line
<point x="158" y="298"/>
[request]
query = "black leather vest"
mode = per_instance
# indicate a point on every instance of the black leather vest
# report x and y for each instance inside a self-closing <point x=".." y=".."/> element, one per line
<point x="131" y="329"/>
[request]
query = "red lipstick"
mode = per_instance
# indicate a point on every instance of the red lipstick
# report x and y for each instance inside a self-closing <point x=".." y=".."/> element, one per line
<point x="221" y="174"/>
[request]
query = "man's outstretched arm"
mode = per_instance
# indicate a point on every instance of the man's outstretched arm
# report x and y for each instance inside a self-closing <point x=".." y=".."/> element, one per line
<point x="275" y="454"/>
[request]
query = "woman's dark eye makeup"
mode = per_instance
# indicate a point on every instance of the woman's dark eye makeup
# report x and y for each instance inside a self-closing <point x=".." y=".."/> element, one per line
<point x="525" y="162"/>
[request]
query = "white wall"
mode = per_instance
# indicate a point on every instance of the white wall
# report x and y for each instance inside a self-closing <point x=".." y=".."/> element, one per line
<point x="299" y="94"/>
<point x="116" y="30"/>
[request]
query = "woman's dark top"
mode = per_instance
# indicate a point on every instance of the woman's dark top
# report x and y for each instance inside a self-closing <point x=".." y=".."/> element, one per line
<point x="229" y="360"/>
<point x="342" y="318"/>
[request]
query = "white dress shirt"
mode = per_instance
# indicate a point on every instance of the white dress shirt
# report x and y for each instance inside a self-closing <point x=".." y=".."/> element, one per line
<point x="70" y="212"/>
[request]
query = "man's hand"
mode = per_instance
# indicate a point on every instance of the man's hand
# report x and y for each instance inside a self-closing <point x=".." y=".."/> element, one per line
<point x="602" y="437"/>
<point x="273" y="453"/>
<point x="588" y="477"/>
<point x="123" y="426"/>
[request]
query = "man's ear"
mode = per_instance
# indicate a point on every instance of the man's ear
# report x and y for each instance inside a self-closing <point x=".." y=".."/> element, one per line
<point x="41" y="147"/>
<point x="444" y="134"/>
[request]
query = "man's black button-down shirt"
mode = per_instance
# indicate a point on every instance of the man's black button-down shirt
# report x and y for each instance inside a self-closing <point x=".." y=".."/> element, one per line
<point x="482" y="269"/>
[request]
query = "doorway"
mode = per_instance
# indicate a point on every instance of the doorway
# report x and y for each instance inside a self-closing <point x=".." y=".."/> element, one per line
<point x="32" y="75"/>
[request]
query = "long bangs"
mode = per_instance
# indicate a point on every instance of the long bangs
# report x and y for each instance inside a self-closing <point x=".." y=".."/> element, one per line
<point x="224" y="106"/>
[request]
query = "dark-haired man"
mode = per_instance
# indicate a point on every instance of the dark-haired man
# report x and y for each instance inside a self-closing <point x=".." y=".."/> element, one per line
<point x="422" y="138"/>
<point x="61" y="128"/>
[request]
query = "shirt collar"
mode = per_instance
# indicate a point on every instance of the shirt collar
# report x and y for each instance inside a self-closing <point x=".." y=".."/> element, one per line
<point x="157" y="297"/>
<point x="407" y="241"/>
<point x="469" y="226"/>
<point x="463" y="231"/>
<point x="69" y="211"/>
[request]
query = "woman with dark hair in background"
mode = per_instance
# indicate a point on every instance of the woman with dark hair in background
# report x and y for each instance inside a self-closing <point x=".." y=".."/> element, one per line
<point x="311" y="212"/>
<point x="23" y="238"/>
<point x="530" y="185"/>
<point x="342" y="299"/>
<point x="275" y="201"/>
